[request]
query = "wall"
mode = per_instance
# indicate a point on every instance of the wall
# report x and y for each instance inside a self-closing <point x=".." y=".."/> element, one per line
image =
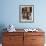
<point x="9" y="13"/>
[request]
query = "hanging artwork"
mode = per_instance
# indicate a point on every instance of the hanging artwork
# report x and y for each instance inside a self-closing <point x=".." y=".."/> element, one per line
<point x="26" y="13"/>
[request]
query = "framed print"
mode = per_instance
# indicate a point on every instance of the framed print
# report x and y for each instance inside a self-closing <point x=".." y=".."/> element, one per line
<point x="26" y="13"/>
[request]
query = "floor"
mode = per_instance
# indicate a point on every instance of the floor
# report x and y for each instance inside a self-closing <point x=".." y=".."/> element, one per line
<point x="0" y="44"/>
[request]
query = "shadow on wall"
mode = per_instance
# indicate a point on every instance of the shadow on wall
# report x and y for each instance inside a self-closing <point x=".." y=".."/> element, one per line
<point x="2" y="26"/>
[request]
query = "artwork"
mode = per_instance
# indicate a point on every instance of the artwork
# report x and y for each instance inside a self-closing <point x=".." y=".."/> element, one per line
<point x="26" y="13"/>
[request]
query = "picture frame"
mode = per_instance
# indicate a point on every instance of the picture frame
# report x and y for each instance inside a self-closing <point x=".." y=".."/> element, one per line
<point x="26" y="13"/>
